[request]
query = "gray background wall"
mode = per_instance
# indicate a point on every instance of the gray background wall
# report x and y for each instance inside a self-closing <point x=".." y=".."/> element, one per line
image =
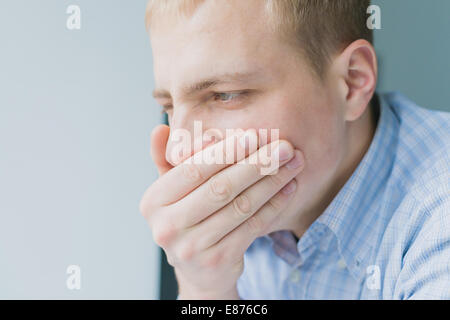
<point x="414" y="50"/>
<point x="75" y="117"/>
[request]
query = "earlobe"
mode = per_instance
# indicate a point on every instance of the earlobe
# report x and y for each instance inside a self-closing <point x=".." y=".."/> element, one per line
<point x="359" y="72"/>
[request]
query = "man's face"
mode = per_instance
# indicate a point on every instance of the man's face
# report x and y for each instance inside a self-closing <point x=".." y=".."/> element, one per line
<point x="225" y="67"/>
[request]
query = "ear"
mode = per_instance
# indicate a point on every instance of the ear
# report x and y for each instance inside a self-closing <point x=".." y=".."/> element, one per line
<point x="357" y="72"/>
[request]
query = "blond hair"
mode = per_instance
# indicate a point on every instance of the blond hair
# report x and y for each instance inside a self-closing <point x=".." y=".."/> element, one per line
<point x="320" y="27"/>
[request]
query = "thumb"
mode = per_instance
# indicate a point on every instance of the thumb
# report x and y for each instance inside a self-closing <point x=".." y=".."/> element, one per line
<point x="158" y="144"/>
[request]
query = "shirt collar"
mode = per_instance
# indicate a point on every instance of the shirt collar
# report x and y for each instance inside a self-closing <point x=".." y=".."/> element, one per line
<point x="351" y="214"/>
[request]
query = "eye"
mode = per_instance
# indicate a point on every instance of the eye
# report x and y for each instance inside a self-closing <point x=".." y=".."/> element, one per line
<point x="226" y="96"/>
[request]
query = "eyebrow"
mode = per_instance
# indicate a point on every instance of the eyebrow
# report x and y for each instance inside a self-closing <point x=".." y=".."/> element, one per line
<point x="208" y="83"/>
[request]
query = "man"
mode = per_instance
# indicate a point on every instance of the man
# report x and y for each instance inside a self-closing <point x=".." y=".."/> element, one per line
<point x="359" y="208"/>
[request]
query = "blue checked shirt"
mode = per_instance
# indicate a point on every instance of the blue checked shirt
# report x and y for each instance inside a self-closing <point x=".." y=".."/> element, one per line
<point x="386" y="235"/>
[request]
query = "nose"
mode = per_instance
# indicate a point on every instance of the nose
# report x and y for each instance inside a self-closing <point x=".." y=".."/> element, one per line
<point x="188" y="136"/>
<point x="180" y="138"/>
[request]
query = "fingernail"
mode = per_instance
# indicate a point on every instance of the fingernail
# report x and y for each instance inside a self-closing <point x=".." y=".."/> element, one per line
<point x="296" y="162"/>
<point x="290" y="187"/>
<point x="283" y="151"/>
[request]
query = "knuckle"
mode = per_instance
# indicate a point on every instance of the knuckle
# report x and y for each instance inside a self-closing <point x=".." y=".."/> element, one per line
<point x="186" y="252"/>
<point x="219" y="188"/>
<point x="191" y="172"/>
<point x="147" y="203"/>
<point x="213" y="261"/>
<point x="163" y="233"/>
<point x="145" y="207"/>
<point x="242" y="206"/>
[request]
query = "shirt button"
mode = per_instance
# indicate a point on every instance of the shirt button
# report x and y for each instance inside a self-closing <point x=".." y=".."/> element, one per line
<point x="341" y="264"/>
<point x="295" y="276"/>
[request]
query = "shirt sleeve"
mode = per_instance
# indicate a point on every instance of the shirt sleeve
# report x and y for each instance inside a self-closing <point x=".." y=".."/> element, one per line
<point x="426" y="266"/>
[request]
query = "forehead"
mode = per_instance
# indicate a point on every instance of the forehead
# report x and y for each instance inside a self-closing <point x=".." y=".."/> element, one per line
<point x="218" y="37"/>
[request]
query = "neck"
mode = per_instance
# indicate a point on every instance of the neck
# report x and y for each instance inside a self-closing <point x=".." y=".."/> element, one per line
<point x="360" y="135"/>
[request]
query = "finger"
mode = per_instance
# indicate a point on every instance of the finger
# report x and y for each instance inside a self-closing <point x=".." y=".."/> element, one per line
<point x="232" y="247"/>
<point x="158" y="144"/>
<point x="184" y="149"/>
<point x="222" y="188"/>
<point x="246" y="204"/>
<point x="186" y="177"/>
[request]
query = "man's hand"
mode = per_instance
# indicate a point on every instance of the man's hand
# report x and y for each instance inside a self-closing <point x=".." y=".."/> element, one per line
<point x="205" y="216"/>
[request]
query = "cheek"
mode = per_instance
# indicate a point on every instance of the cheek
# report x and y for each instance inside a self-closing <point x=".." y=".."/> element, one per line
<point x="323" y="134"/>
<point x="323" y="148"/>
<point x="315" y="128"/>
<point x="259" y="117"/>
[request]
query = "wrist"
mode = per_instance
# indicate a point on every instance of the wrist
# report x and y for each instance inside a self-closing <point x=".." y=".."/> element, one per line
<point x="208" y="295"/>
